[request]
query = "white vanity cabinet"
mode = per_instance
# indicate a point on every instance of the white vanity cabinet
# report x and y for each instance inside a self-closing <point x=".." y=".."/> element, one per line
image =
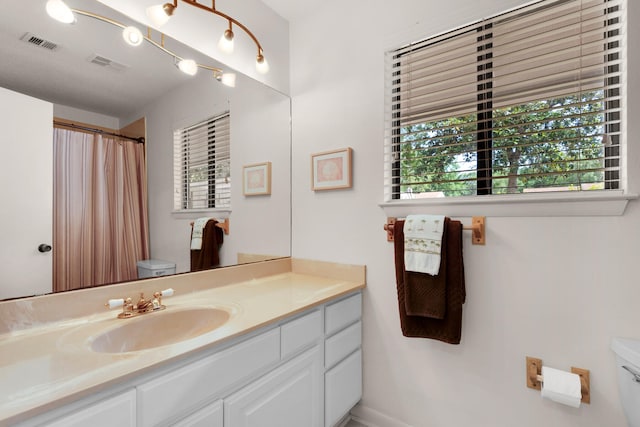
<point x="303" y="371"/>
<point x="211" y="415"/>
<point x="118" y="410"/>
<point x="290" y="396"/>
<point x="180" y="391"/>
<point x="343" y="358"/>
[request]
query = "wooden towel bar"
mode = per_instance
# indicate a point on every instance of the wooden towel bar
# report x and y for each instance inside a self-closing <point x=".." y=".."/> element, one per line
<point x="476" y="227"/>
<point x="220" y="224"/>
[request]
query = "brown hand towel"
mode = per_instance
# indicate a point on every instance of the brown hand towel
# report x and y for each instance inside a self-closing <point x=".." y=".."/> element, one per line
<point x="208" y="255"/>
<point x="426" y="295"/>
<point x="449" y="328"/>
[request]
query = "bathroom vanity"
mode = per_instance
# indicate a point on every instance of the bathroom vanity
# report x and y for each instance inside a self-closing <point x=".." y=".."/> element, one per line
<point x="288" y="352"/>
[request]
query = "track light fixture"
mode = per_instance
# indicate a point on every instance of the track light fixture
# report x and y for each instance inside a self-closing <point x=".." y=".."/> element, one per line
<point x="59" y="11"/>
<point x="226" y="41"/>
<point x="132" y="36"/>
<point x="188" y="66"/>
<point x="160" y="14"/>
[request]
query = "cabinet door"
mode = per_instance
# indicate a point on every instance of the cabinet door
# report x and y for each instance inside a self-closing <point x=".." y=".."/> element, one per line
<point x="118" y="411"/>
<point x="179" y="392"/>
<point x="26" y="194"/>
<point x="289" y="396"/>
<point x="343" y="388"/>
<point x="209" y="416"/>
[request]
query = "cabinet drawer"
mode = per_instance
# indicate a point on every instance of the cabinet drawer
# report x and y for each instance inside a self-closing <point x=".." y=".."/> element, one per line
<point x="289" y="396"/>
<point x="342" y="344"/>
<point x="210" y="416"/>
<point x="119" y="410"/>
<point x="300" y="333"/>
<point x="342" y="388"/>
<point x="342" y="313"/>
<point x="177" y="393"/>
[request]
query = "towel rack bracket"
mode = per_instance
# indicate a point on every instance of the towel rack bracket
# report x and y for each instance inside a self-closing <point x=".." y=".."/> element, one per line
<point x="224" y="225"/>
<point x="388" y="227"/>
<point x="478" y="231"/>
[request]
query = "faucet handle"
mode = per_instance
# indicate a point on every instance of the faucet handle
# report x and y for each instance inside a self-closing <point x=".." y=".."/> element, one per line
<point x="157" y="297"/>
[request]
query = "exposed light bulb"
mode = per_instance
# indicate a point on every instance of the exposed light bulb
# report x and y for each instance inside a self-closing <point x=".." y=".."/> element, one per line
<point x="160" y="13"/>
<point x="188" y="66"/>
<point x="58" y="10"/>
<point x="226" y="42"/>
<point x="228" y="79"/>
<point x="261" y="64"/>
<point x="132" y="36"/>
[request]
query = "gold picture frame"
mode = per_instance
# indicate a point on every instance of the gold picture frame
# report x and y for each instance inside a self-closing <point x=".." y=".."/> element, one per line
<point x="256" y="179"/>
<point x="331" y="170"/>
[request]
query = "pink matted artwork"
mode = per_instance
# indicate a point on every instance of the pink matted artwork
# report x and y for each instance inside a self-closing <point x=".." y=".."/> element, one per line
<point x="255" y="179"/>
<point x="330" y="169"/>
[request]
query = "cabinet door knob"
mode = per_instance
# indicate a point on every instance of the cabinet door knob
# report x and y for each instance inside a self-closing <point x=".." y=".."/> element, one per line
<point x="43" y="247"/>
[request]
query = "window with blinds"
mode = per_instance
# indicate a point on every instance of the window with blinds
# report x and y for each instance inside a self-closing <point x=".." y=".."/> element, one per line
<point x="526" y="101"/>
<point x="201" y="165"/>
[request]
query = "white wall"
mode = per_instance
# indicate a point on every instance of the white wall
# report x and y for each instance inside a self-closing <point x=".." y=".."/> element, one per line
<point x="554" y="288"/>
<point x="86" y="117"/>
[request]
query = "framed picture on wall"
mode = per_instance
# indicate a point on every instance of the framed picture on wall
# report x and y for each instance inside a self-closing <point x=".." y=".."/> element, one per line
<point x="256" y="179"/>
<point x="331" y="170"/>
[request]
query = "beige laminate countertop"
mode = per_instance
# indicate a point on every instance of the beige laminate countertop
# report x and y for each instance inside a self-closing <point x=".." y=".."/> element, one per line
<point x="46" y="361"/>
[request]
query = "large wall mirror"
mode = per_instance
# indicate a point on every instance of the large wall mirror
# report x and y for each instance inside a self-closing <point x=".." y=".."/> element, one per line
<point x="89" y="75"/>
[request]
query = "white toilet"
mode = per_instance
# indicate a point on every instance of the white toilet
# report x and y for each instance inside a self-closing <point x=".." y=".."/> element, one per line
<point x="628" y="368"/>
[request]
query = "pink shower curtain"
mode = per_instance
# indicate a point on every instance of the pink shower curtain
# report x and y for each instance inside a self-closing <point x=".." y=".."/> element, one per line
<point x="100" y="220"/>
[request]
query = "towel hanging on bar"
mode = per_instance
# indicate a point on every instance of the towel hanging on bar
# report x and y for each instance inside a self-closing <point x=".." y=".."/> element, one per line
<point x="448" y="328"/>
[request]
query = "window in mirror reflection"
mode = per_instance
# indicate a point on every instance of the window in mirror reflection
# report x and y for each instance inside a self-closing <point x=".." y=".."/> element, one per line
<point x="202" y="165"/>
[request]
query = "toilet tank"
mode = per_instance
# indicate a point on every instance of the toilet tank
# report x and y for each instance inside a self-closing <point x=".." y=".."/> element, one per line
<point x="155" y="268"/>
<point x="627" y="364"/>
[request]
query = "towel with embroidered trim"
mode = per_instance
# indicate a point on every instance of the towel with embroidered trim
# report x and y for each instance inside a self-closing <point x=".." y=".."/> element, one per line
<point x="196" y="233"/>
<point x="423" y="243"/>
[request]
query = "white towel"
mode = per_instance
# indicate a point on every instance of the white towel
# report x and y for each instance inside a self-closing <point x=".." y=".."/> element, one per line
<point x="423" y="243"/>
<point x="196" y="234"/>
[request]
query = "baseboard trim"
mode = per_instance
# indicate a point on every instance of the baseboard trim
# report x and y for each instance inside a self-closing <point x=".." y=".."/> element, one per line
<point x="343" y="422"/>
<point x="372" y="418"/>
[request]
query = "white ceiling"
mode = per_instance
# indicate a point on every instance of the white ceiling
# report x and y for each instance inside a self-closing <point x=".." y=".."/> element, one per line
<point x="65" y="76"/>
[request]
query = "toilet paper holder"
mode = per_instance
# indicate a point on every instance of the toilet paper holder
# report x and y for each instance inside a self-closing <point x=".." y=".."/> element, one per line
<point x="535" y="379"/>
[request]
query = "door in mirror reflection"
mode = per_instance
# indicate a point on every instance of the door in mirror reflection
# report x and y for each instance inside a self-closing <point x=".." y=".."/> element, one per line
<point x="26" y="194"/>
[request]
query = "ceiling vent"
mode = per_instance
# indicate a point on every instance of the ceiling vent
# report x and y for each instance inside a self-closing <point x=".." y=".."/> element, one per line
<point x="107" y="63"/>
<point x="39" y="41"/>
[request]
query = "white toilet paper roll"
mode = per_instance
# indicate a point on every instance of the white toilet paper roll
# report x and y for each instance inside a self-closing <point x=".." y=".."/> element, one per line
<point x="113" y="303"/>
<point x="562" y="387"/>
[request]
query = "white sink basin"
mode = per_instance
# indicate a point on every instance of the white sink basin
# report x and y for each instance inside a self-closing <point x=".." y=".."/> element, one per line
<point x="158" y="329"/>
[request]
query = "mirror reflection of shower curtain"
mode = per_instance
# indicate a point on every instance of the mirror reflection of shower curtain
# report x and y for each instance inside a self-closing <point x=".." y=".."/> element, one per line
<point x="100" y="225"/>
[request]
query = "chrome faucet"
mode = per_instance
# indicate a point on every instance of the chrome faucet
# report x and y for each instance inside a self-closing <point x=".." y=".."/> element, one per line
<point x="143" y="306"/>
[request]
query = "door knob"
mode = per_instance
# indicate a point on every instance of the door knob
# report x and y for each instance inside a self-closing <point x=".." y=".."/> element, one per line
<point x="43" y="247"/>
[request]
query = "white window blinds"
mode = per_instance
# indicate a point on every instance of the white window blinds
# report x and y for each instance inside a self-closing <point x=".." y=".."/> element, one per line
<point x="201" y="165"/>
<point x="526" y="101"/>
